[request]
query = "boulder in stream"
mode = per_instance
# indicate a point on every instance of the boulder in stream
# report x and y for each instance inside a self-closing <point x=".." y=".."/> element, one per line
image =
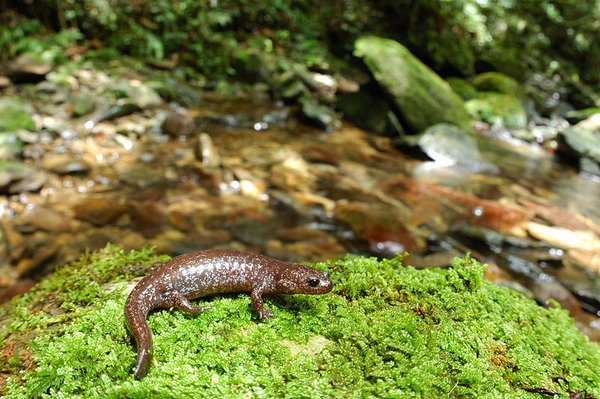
<point x="421" y="97"/>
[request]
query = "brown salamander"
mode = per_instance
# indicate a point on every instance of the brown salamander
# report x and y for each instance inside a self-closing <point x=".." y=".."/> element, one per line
<point x="213" y="271"/>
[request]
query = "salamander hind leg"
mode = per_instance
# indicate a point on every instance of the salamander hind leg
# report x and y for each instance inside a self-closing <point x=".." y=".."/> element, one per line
<point x="182" y="303"/>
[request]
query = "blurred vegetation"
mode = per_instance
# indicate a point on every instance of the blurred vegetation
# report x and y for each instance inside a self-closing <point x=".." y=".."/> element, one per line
<point x="456" y="37"/>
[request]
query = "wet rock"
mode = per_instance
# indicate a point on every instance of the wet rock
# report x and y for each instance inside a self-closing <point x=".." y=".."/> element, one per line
<point x="27" y="68"/>
<point x="582" y="140"/>
<point x="421" y="96"/>
<point x="292" y="175"/>
<point x="380" y="227"/>
<point x="39" y="249"/>
<point x="319" y="114"/>
<point x="65" y="164"/>
<point x="121" y="108"/>
<point x="148" y="217"/>
<point x="369" y="110"/>
<point x="139" y="93"/>
<point x="496" y="108"/>
<point x="15" y="115"/>
<point x="17" y="288"/>
<point x="319" y="247"/>
<point x="11" y="147"/>
<point x="207" y="152"/>
<point x="448" y="145"/>
<point x="234" y="121"/>
<point x="18" y="177"/>
<point x="178" y="123"/>
<point x="99" y="211"/>
<point x="324" y="85"/>
<point x="4" y="82"/>
<point x="38" y="217"/>
<point x="81" y="103"/>
<point x="576" y="116"/>
<point x="173" y="90"/>
<point x="545" y="290"/>
<point x="180" y="218"/>
<point x="141" y="176"/>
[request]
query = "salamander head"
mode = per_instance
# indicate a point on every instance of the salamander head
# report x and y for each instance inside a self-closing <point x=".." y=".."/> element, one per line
<point x="298" y="279"/>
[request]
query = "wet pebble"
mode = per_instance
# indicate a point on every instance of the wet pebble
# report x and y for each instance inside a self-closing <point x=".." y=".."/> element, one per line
<point x="178" y="123"/>
<point x="99" y="211"/>
<point x="65" y="164"/>
<point x="39" y="217"/>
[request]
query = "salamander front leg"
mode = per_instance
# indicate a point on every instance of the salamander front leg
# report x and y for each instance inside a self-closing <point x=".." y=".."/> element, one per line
<point x="257" y="303"/>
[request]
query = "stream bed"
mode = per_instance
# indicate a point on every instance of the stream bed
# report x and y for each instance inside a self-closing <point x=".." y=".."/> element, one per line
<point x="244" y="172"/>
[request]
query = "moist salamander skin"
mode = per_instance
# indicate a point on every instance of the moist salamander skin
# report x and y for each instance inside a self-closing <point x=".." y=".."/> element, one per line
<point x="213" y="271"/>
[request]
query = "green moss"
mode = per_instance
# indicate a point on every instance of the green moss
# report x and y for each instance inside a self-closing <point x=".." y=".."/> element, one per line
<point x="463" y="88"/>
<point x="15" y="115"/>
<point x="492" y="107"/>
<point x="498" y="82"/>
<point x="385" y="331"/>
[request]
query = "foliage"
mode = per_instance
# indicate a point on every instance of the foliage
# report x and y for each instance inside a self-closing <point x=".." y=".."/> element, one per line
<point x="385" y="331"/>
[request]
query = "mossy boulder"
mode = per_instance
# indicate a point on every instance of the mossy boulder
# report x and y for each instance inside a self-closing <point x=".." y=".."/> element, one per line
<point x="492" y="107"/>
<point x="386" y="330"/>
<point x="463" y="88"/>
<point x="498" y="82"/>
<point x="421" y="97"/>
<point x="15" y="115"/>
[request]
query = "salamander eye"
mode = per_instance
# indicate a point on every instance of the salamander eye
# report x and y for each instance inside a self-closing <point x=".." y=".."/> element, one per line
<point x="313" y="282"/>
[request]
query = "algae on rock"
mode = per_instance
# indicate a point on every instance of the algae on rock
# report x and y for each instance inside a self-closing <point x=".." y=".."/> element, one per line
<point x="420" y="95"/>
<point x="385" y="331"/>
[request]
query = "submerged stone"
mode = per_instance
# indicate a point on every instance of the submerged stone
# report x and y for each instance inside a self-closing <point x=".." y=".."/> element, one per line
<point x="420" y="95"/>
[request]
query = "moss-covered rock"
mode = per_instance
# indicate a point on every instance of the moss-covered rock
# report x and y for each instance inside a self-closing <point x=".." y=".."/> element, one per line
<point x="385" y="331"/>
<point x="498" y="82"/>
<point x="420" y="95"/>
<point x="492" y="107"/>
<point x="15" y="115"/>
<point x="463" y="88"/>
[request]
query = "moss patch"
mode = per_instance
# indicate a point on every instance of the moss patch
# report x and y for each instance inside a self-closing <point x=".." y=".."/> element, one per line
<point x="385" y="331"/>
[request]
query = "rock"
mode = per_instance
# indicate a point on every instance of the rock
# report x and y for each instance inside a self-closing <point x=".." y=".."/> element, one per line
<point x="495" y="108"/>
<point x="121" y="108"/>
<point x="139" y="93"/>
<point x="18" y="177"/>
<point x="498" y="82"/>
<point x="11" y="147"/>
<point x="380" y="227"/>
<point x="576" y="116"/>
<point x="81" y="103"/>
<point x="173" y="90"/>
<point x="319" y="114"/>
<point x="4" y="82"/>
<point x="368" y="110"/>
<point x="38" y="217"/>
<point x="65" y="164"/>
<point x="15" y="115"/>
<point x="420" y="95"/>
<point x="581" y="140"/>
<point x="292" y="175"/>
<point x="99" y="211"/>
<point x="447" y="145"/>
<point x="463" y="88"/>
<point x="148" y="217"/>
<point x="178" y="123"/>
<point x="27" y="68"/>
<point x="141" y="176"/>
<point x="207" y="152"/>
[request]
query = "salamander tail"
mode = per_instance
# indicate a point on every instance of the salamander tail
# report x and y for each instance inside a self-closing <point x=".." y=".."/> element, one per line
<point x="135" y="317"/>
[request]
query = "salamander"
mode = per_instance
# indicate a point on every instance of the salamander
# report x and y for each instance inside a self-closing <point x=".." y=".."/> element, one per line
<point x="213" y="271"/>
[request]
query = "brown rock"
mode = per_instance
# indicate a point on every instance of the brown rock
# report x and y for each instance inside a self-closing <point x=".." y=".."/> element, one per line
<point x="178" y="123"/>
<point x="39" y="217"/>
<point x="99" y="211"/>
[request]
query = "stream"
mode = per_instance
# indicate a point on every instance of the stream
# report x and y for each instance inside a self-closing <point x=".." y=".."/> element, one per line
<point x="244" y="172"/>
